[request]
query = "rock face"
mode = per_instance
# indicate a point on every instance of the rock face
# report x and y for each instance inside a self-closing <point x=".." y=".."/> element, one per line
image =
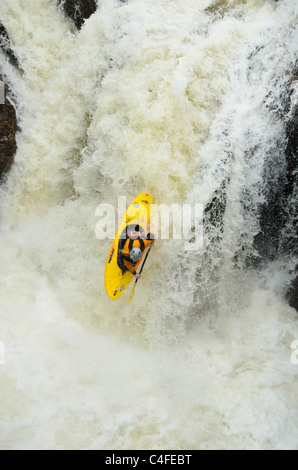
<point x="8" y="122"/>
<point x="8" y="126"/>
<point x="5" y="46"/>
<point x="292" y="295"/>
<point x="78" y="10"/>
<point x="291" y="187"/>
<point x="279" y="215"/>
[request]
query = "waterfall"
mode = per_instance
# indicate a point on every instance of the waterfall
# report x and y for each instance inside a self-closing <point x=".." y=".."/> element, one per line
<point x="189" y="101"/>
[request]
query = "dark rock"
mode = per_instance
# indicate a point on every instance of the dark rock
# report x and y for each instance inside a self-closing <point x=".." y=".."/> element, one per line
<point x="292" y="295"/>
<point x="78" y="10"/>
<point x="5" y="45"/>
<point x="214" y="213"/>
<point x="279" y="214"/>
<point x="291" y="234"/>
<point x="276" y="214"/>
<point x="8" y="121"/>
<point x="8" y="127"/>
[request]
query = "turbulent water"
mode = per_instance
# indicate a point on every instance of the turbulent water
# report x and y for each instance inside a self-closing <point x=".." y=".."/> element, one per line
<point x="182" y="99"/>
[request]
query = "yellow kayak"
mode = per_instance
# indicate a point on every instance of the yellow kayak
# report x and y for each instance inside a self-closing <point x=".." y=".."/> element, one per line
<point x="138" y="213"/>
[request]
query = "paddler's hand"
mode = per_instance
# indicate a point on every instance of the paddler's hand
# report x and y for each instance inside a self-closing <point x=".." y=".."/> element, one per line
<point x="138" y="276"/>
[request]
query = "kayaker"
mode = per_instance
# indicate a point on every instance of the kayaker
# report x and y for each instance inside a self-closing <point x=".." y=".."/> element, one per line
<point x="135" y="243"/>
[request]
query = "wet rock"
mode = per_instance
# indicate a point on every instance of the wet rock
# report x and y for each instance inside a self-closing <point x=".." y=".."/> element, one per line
<point x="8" y="127"/>
<point x="290" y="243"/>
<point x="276" y="213"/>
<point x="8" y="121"/>
<point x="279" y="215"/>
<point x="214" y="213"/>
<point x="78" y="10"/>
<point x="292" y="295"/>
<point x="6" y="46"/>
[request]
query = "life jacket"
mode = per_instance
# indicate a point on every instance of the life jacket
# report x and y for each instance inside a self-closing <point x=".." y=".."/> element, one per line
<point x="131" y="243"/>
<point x="132" y="238"/>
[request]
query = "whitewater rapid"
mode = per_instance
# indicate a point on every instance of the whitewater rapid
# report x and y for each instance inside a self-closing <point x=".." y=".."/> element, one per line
<point x="177" y="99"/>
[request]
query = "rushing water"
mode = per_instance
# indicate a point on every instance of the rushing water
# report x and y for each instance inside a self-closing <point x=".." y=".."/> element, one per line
<point x="182" y="99"/>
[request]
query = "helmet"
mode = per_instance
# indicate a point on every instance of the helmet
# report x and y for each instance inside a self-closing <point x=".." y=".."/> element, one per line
<point x="135" y="254"/>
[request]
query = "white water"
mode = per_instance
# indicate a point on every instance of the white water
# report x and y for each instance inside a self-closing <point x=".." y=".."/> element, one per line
<point x="170" y="97"/>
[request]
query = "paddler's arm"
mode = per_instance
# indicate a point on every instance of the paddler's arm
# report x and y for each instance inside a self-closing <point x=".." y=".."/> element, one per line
<point x="151" y="237"/>
<point x="136" y="275"/>
<point x="132" y="270"/>
<point x="147" y="242"/>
